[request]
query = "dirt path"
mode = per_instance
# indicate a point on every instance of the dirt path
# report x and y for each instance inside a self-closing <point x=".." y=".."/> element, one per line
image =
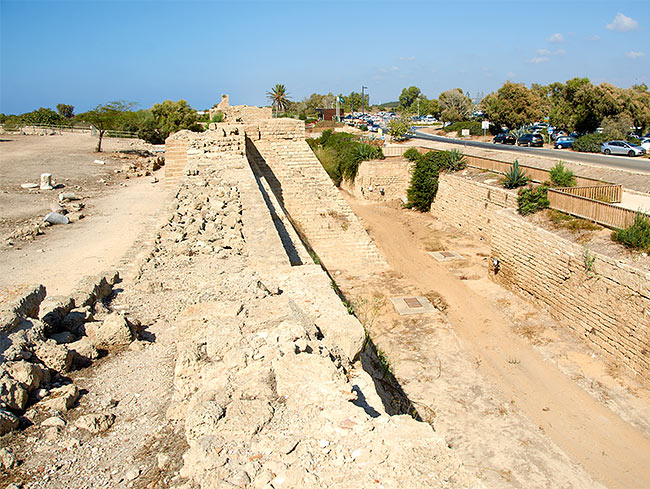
<point x="89" y="246"/>
<point x="608" y="448"/>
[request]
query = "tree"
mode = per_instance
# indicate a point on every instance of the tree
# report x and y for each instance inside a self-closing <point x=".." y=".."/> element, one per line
<point x="424" y="182"/>
<point x="513" y="105"/>
<point x="279" y="97"/>
<point x="408" y="98"/>
<point x="66" y="111"/>
<point x="105" y="117"/>
<point x="167" y="118"/>
<point x="398" y="128"/>
<point x="42" y="116"/>
<point x="356" y="100"/>
<point x="454" y="105"/>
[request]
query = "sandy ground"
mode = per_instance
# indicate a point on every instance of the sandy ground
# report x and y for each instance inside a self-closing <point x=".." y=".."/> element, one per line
<point x="116" y="208"/>
<point x="523" y="402"/>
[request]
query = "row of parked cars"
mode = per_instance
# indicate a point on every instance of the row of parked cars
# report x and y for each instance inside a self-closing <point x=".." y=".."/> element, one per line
<point x="563" y="141"/>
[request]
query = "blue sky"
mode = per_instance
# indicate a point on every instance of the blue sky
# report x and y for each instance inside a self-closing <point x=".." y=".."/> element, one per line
<point x="91" y="52"/>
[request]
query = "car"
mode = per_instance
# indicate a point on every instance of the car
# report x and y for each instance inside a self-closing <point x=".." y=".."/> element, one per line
<point x="621" y="148"/>
<point x="530" y="140"/>
<point x="504" y="138"/>
<point x="645" y="143"/>
<point x="564" y="142"/>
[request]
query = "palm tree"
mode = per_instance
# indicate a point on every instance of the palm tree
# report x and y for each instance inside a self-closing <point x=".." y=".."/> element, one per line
<point x="279" y="97"/>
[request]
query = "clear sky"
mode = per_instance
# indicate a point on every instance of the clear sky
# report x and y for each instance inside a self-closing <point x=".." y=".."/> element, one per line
<point x="86" y="53"/>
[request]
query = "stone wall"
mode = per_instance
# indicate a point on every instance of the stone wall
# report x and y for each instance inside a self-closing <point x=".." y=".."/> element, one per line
<point x="605" y="301"/>
<point x="470" y="205"/>
<point x="175" y="158"/>
<point x="306" y="193"/>
<point x="240" y="113"/>
<point x="392" y="175"/>
<point x="268" y="385"/>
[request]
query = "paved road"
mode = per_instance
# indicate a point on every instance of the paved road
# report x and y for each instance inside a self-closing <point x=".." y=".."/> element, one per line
<point x="616" y="162"/>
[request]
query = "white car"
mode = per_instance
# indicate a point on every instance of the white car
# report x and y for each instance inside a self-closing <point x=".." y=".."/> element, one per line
<point x="645" y="144"/>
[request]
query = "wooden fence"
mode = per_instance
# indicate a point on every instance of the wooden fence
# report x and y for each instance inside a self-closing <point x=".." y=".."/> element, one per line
<point x="603" y="193"/>
<point x="588" y="208"/>
<point x="538" y="175"/>
<point x="395" y="149"/>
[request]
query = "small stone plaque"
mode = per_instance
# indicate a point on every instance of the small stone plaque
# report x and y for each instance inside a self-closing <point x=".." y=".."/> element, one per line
<point x="412" y="305"/>
<point x="445" y="255"/>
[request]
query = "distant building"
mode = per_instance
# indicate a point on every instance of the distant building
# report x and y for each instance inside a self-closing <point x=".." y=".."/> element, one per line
<point x="329" y="114"/>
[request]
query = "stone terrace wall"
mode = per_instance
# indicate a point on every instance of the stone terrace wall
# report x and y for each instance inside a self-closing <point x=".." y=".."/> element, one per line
<point x="608" y="303"/>
<point x="175" y="159"/>
<point x="316" y="208"/>
<point x="470" y="205"/>
<point x="393" y="175"/>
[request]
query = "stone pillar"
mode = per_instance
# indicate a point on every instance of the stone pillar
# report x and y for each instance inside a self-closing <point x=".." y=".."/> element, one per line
<point x="46" y="181"/>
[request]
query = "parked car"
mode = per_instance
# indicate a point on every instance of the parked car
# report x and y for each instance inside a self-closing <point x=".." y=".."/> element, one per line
<point x="530" y="140"/>
<point x="504" y="138"/>
<point x="621" y="148"/>
<point x="564" y="142"/>
<point x="645" y="143"/>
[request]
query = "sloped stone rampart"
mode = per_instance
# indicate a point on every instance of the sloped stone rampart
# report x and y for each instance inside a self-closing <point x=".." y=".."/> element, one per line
<point x="605" y="301"/>
<point x="266" y="380"/>
<point x="470" y="205"/>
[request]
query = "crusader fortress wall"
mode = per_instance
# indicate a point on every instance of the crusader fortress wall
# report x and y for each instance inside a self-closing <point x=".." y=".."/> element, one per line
<point x="267" y="379"/>
<point x="278" y="154"/>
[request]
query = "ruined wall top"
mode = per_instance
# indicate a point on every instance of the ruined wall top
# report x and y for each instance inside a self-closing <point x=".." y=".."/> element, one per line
<point x="239" y="113"/>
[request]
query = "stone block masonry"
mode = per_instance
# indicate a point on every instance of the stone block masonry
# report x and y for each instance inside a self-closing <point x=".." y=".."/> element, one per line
<point x="392" y="175"/>
<point x="605" y="301"/>
<point x="470" y="205"/>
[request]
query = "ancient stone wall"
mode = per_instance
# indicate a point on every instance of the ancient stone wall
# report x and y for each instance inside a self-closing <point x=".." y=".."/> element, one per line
<point x="470" y="205"/>
<point x="267" y="379"/>
<point x="312" y="202"/>
<point x="381" y="180"/>
<point x="605" y="301"/>
<point x="175" y="159"/>
<point x="239" y="113"/>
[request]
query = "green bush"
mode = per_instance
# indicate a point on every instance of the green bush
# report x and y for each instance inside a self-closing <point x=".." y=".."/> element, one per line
<point x="637" y="235"/>
<point x="218" y="117"/>
<point x="590" y="143"/>
<point x="562" y="177"/>
<point x="531" y="200"/>
<point x="424" y="183"/>
<point x="412" y="154"/>
<point x="452" y="160"/>
<point x="475" y="128"/>
<point x="344" y="154"/>
<point x="515" y="177"/>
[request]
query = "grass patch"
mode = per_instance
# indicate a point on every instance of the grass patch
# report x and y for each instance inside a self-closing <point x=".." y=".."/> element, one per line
<point x="573" y="224"/>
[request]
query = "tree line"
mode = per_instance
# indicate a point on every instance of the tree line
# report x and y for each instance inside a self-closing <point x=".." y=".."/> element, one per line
<point x="153" y="125"/>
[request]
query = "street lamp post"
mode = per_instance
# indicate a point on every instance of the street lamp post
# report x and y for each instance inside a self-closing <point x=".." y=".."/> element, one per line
<point x="363" y="99"/>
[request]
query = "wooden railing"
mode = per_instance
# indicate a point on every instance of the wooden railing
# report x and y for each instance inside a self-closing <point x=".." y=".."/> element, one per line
<point x="394" y="149"/>
<point x="538" y="175"/>
<point x="603" y="193"/>
<point x="588" y="208"/>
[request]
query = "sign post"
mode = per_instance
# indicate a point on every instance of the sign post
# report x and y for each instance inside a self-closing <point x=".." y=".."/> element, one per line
<point x="485" y="125"/>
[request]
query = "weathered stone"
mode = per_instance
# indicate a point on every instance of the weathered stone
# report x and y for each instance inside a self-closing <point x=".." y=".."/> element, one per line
<point x="54" y="421"/>
<point x="46" y="181"/>
<point x="56" y="218"/>
<point x="54" y="356"/>
<point x="13" y="394"/>
<point x="95" y="423"/>
<point x="84" y="351"/>
<point x="114" y="333"/>
<point x="8" y="422"/>
<point x="75" y="320"/>
<point x="63" y="398"/>
<point x="53" y="309"/>
<point x="28" y="374"/>
<point x="7" y="458"/>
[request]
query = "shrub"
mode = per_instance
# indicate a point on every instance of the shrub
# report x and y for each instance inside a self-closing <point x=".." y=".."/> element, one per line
<point x="475" y="128"/>
<point x="399" y="128"/>
<point x="590" y="143"/>
<point x="452" y="160"/>
<point x="531" y="200"/>
<point x="363" y="127"/>
<point x="218" y="117"/>
<point x="412" y="154"/>
<point x="515" y="177"/>
<point x="573" y="224"/>
<point x="637" y="235"/>
<point x="424" y="183"/>
<point x="562" y="177"/>
<point x="341" y="153"/>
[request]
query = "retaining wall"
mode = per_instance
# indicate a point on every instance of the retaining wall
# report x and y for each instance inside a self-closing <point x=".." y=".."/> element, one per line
<point x="470" y="205"/>
<point x="605" y="301"/>
<point x="393" y="175"/>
